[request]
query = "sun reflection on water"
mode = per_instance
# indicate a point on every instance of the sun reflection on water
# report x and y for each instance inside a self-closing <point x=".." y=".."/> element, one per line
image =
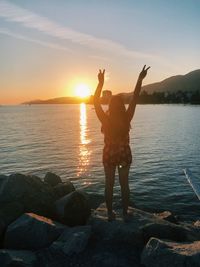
<point x="84" y="152"/>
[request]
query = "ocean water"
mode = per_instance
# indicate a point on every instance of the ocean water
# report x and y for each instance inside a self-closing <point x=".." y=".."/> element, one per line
<point x="66" y="139"/>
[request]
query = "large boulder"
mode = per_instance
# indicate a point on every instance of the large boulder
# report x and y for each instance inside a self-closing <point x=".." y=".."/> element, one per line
<point x="163" y="253"/>
<point x="73" y="209"/>
<point x="164" y="231"/>
<point x="2" y="231"/>
<point x="17" y="258"/>
<point x="139" y="229"/>
<point x="3" y="180"/>
<point x="29" y="190"/>
<point x="8" y="213"/>
<point x="52" y="179"/>
<point x="117" y="232"/>
<point x="63" y="189"/>
<point x="72" y="241"/>
<point x="31" y="231"/>
<point x="113" y="259"/>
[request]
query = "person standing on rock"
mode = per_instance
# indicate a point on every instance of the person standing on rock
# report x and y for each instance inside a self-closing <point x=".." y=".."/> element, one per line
<point x="116" y="153"/>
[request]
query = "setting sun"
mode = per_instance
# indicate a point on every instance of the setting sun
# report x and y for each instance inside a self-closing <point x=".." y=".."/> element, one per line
<point x="82" y="90"/>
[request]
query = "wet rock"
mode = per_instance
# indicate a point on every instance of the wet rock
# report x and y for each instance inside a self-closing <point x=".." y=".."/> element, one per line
<point x="52" y="179"/>
<point x="72" y="241"/>
<point x="31" y="231"/>
<point x="162" y="253"/>
<point x="168" y="216"/>
<point x="63" y="189"/>
<point x="17" y="258"/>
<point x="73" y="209"/>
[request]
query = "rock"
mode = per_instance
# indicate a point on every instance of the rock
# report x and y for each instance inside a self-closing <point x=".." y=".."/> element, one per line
<point x="72" y="241"/>
<point x="30" y="191"/>
<point x="73" y="209"/>
<point x="3" y="180"/>
<point x="95" y="200"/>
<point x="17" y="258"/>
<point x="138" y="230"/>
<point x="117" y="232"/>
<point x="168" y="216"/>
<point x="31" y="231"/>
<point x="162" y="253"/>
<point x="8" y="213"/>
<point x="164" y="231"/>
<point x="2" y="231"/>
<point x="197" y="223"/>
<point x="62" y="189"/>
<point x="109" y="259"/>
<point x="52" y="179"/>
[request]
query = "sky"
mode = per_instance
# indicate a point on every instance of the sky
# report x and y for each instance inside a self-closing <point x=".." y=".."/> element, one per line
<point x="48" y="47"/>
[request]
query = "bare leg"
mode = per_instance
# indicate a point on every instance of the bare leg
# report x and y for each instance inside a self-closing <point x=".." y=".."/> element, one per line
<point x="109" y="183"/>
<point x="123" y="179"/>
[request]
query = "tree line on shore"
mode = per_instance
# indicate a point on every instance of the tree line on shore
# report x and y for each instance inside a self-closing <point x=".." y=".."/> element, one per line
<point x="184" y="97"/>
<point x="177" y="97"/>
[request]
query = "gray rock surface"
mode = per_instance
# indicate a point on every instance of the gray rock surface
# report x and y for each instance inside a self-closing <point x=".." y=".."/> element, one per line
<point x="8" y="213"/>
<point x="72" y="241"/>
<point x="166" y="254"/>
<point x="168" y="216"/>
<point x="28" y="190"/>
<point x="52" y="179"/>
<point x="17" y="258"/>
<point x="2" y="230"/>
<point x="73" y="209"/>
<point x="31" y="231"/>
<point x="11" y="211"/>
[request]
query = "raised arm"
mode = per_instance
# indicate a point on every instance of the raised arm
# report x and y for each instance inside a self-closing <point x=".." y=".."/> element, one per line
<point x="132" y="105"/>
<point x="99" y="111"/>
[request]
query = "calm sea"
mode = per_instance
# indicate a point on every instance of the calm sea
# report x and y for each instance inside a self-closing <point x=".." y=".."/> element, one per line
<point x="66" y="139"/>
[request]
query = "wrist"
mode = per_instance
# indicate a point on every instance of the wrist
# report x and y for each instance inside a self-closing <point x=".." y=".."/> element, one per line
<point x="101" y="82"/>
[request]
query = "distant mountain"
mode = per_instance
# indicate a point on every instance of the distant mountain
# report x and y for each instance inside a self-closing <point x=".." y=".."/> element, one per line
<point x="189" y="82"/>
<point x="59" y="100"/>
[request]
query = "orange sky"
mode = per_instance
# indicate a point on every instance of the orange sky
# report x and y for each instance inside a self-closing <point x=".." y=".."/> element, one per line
<point x="46" y="52"/>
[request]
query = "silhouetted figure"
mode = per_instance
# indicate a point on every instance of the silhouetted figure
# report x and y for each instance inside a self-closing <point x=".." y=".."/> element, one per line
<point x="116" y="152"/>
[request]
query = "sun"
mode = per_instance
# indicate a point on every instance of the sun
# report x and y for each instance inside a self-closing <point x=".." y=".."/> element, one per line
<point x="82" y="90"/>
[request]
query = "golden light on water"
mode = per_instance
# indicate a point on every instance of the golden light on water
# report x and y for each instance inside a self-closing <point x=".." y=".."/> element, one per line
<point x="84" y="152"/>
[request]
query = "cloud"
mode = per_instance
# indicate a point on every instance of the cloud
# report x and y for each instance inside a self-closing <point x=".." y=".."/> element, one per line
<point x="28" y="19"/>
<point x="25" y="38"/>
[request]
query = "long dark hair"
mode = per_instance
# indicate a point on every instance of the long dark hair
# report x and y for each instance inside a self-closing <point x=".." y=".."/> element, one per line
<point x="118" y="126"/>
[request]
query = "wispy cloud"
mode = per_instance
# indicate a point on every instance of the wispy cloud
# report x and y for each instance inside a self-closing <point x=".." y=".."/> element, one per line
<point x="14" y="13"/>
<point x="25" y="38"/>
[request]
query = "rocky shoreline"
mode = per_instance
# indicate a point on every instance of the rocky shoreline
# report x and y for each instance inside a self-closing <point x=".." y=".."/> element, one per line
<point x="47" y="222"/>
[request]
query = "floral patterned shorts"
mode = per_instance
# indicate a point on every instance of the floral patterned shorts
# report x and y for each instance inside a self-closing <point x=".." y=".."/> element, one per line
<point x="117" y="155"/>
